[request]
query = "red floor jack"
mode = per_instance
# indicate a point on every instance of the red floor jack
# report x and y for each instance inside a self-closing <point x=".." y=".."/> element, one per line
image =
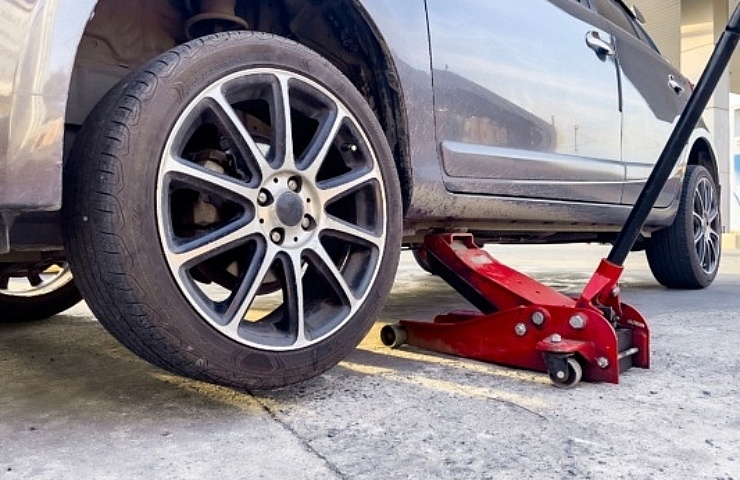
<point x="523" y="323"/>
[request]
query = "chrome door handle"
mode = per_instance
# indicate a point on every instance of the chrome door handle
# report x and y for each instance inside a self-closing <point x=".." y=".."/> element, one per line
<point x="599" y="45"/>
<point x="675" y="86"/>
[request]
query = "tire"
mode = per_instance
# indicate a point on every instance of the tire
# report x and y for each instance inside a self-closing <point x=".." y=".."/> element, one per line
<point x="207" y="245"/>
<point x="687" y="254"/>
<point x="37" y="292"/>
<point x="422" y="258"/>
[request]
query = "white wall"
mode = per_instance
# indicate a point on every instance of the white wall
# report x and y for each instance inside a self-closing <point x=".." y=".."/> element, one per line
<point x="734" y="220"/>
<point x="703" y="22"/>
<point x="685" y="32"/>
<point x="663" y="22"/>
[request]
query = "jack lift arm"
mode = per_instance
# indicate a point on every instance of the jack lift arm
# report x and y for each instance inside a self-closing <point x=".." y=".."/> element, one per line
<point x="525" y="324"/>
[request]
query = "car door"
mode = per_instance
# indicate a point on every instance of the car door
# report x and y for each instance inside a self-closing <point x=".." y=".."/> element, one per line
<point x="526" y="99"/>
<point x="653" y="96"/>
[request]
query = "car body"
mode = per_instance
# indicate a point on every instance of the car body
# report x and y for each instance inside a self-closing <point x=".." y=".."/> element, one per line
<point x="514" y="133"/>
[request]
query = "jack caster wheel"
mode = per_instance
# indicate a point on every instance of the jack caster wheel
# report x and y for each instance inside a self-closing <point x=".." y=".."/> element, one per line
<point x="393" y="335"/>
<point x="565" y="372"/>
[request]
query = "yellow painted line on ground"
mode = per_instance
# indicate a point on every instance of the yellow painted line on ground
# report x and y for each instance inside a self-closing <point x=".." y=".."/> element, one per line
<point x="459" y="363"/>
<point x="445" y="386"/>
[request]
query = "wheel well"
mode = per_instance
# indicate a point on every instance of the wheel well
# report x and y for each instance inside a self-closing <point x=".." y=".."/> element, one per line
<point x="702" y="154"/>
<point x="124" y="35"/>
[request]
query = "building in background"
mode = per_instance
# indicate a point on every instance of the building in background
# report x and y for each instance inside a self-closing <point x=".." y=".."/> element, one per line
<point x="686" y="31"/>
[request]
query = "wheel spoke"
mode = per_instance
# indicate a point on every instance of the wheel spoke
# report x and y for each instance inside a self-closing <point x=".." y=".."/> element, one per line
<point x="237" y="132"/>
<point x="208" y="246"/>
<point x="316" y="153"/>
<point x="296" y="301"/>
<point x="343" y="185"/>
<point x="245" y="295"/>
<point x="713" y="215"/>
<point x="339" y="228"/>
<point x="337" y="280"/>
<point x="708" y="197"/>
<point x="284" y="123"/>
<point x="713" y="234"/>
<point x="698" y="233"/>
<point x="701" y="196"/>
<point x="707" y="263"/>
<point x="712" y="254"/>
<point x="209" y="180"/>
<point x="701" y="251"/>
<point x="713" y="247"/>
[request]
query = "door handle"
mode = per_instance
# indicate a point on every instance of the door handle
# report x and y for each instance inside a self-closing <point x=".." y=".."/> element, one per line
<point x="675" y="86"/>
<point x="599" y="45"/>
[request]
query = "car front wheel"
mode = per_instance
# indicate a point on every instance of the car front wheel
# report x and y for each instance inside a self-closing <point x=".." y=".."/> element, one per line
<point x="234" y="212"/>
<point x="687" y="254"/>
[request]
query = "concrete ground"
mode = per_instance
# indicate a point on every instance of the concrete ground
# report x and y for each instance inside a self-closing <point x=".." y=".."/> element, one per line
<point x="74" y="404"/>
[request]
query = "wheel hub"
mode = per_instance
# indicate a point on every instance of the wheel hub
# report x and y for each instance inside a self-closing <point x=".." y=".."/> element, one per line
<point x="289" y="208"/>
<point x="706" y="227"/>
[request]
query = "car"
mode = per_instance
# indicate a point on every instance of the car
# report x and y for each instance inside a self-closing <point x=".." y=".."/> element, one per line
<point x="230" y="182"/>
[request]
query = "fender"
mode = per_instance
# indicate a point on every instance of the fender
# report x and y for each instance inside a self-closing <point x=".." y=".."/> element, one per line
<point x="37" y="69"/>
<point x="40" y="67"/>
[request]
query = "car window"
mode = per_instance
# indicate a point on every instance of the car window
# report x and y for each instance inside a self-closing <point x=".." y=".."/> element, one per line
<point x="642" y="33"/>
<point x="615" y="14"/>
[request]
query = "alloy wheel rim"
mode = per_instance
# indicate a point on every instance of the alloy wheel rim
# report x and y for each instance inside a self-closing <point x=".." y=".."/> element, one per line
<point x="706" y="226"/>
<point x="285" y="212"/>
<point x="37" y="281"/>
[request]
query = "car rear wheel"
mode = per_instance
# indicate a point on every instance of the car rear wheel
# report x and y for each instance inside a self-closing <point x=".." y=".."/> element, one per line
<point x="234" y="212"/>
<point x="36" y="292"/>
<point x="687" y="254"/>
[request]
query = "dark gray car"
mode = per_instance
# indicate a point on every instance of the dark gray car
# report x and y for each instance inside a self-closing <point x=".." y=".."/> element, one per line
<point x="231" y="181"/>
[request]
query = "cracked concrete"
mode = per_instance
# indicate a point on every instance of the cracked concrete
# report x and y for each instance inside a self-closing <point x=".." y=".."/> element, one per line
<point x="74" y="404"/>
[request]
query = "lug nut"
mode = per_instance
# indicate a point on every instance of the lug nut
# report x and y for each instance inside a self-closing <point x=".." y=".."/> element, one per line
<point x="602" y="362"/>
<point x="293" y="184"/>
<point x="263" y="198"/>
<point x="276" y="236"/>
<point x="556" y="338"/>
<point x="306" y="223"/>
<point x="538" y="318"/>
<point x="577" y="321"/>
<point x="520" y="329"/>
<point x="616" y="291"/>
